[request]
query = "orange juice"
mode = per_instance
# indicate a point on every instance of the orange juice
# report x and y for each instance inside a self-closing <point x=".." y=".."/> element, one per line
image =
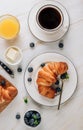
<point x="9" y="27"/>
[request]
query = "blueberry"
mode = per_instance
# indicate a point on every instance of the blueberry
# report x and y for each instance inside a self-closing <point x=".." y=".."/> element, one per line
<point x="28" y="115"/>
<point x="63" y="76"/>
<point x="61" y="45"/>
<point x="31" y="112"/>
<point x="58" y="89"/>
<point x="18" y="116"/>
<point x="31" y="122"/>
<point x="29" y="79"/>
<point x="32" y="45"/>
<point x="42" y="65"/>
<point x="19" y="69"/>
<point x="57" y="82"/>
<point x="26" y="120"/>
<point x="30" y="69"/>
<point x="38" y="115"/>
<point x="2" y="83"/>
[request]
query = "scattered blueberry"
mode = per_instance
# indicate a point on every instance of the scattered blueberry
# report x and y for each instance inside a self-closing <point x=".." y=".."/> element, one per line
<point x="64" y="76"/>
<point x="18" y="116"/>
<point x="57" y="82"/>
<point x="61" y="45"/>
<point x="32" y="45"/>
<point x="42" y="65"/>
<point x="29" y="79"/>
<point x="19" y="69"/>
<point x="2" y="83"/>
<point x="30" y="69"/>
<point x="58" y="89"/>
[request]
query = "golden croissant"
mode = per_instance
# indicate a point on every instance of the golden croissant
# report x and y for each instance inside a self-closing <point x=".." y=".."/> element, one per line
<point x="7" y="93"/>
<point x="48" y="75"/>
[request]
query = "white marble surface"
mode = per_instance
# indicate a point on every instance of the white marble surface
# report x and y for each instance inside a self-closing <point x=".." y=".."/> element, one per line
<point x="70" y="116"/>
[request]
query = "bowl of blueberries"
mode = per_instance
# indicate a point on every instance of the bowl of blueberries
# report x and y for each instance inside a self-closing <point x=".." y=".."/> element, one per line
<point x="32" y="118"/>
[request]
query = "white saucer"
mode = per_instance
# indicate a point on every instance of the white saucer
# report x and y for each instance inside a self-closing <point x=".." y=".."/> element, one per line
<point x="32" y="88"/>
<point x="41" y="35"/>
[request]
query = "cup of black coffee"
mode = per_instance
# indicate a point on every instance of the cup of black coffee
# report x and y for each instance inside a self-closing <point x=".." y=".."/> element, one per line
<point x="49" y="18"/>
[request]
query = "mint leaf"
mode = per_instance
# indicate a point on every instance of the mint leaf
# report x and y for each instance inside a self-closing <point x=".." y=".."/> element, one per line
<point x="26" y="100"/>
<point x="34" y="116"/>
<point x="67" y="76"/>
<point x="64" y="76"/>
<point x="35" y="122"/>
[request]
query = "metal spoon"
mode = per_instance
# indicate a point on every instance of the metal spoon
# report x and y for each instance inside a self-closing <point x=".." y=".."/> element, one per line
<point x="60" y="95"/>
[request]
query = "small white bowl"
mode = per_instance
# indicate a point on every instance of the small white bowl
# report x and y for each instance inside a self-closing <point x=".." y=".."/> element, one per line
<point x="20" y="56"/>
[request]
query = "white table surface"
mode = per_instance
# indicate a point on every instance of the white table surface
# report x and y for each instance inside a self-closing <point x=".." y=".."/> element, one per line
<point x="70" y="116"/>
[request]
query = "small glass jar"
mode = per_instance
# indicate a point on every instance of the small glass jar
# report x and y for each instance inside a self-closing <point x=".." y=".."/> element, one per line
<point x="9" y="27"/>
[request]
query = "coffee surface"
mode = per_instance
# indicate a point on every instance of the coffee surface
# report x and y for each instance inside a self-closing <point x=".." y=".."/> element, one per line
<point x="49" y="18"/>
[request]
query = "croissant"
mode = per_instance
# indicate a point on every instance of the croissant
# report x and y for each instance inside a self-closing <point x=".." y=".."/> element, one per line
<point x="7" y="93"/>
<point x="48" y="75"/>
<point x="46" y="91"/>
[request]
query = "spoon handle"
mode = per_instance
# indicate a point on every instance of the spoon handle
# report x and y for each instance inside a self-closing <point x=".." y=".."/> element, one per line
<point x="60" y="96"/>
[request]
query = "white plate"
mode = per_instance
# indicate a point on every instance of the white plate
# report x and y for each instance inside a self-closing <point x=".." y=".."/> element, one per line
<point x="69" y="85"/>
<point x="41" y="35"/>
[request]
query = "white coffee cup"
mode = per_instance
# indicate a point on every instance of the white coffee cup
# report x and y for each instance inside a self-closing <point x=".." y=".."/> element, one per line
<point x="49" y="18"/>
<point x="13" y="55"/>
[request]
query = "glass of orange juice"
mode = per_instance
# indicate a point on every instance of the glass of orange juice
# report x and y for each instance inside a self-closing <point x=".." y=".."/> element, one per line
<point x="9" y="27"/>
